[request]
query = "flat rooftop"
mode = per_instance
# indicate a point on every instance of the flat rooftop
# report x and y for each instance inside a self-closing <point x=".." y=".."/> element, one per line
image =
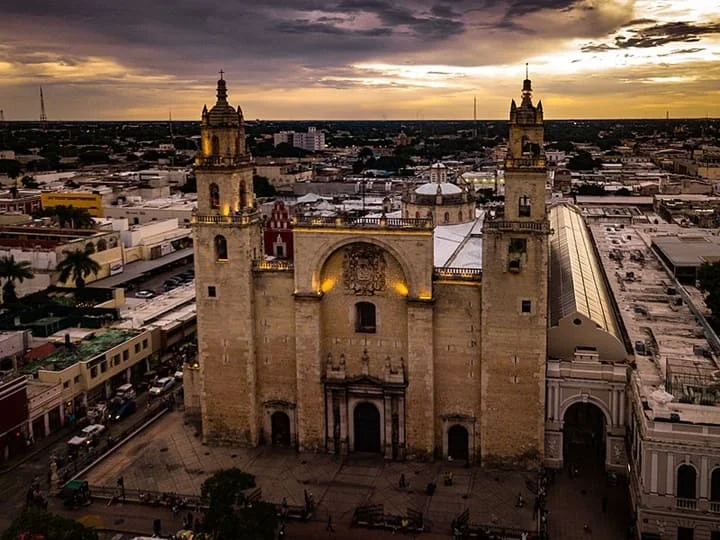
<point x="94" y="343"/>
<point x="656" y="318"/>
<point x="691" y="249"/>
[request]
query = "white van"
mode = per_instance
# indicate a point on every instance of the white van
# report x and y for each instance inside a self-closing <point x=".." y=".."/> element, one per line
<point x="126" y="391"/>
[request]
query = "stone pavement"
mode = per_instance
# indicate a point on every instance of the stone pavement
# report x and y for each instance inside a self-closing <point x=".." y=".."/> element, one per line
<point x="170" y="457"/>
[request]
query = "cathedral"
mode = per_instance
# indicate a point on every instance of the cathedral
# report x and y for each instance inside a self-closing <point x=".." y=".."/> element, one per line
<point x="426" y="335"/>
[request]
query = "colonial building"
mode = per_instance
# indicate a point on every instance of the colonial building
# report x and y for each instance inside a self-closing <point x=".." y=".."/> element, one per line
<point x="415" y="337"/>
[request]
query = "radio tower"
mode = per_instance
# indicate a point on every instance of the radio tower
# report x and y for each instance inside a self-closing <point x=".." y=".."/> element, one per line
<point x="43" y="116"/>
<point x="475" y="129"/>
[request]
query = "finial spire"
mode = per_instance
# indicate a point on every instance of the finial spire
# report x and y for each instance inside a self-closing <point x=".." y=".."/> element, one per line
<point x="221" y="88"/>
<point x="223" y="73"/>
<point x="527" y="76"/>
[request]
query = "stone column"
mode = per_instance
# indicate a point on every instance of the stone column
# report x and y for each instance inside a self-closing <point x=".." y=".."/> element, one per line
<point x="310" y="406"/>
<point x="421" y="382"/>
<point x="128" y="375"/>
<point x="46" y="420"/>
<point x="344" y="441"/>
<point x="387" y="404"/>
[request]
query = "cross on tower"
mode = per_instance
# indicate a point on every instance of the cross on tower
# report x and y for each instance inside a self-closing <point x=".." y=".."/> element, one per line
<point x="221" y="74"/>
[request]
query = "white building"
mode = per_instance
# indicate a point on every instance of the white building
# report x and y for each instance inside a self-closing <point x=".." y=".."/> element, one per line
<point x="312" y="141"/>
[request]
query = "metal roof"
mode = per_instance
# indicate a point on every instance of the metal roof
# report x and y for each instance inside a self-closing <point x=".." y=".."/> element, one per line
<point x="688" y="250"/>
<point x="576" y="279"/>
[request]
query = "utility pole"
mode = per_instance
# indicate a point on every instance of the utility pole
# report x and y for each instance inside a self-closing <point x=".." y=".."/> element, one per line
<point x="475" y="127"/>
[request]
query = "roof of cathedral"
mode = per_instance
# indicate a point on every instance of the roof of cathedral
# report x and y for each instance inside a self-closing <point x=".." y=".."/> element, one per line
<point x="460" y="245"/>
<point x="222" y="113"/>
<point x="576" y="279"/>
<point x="431" y="188"/>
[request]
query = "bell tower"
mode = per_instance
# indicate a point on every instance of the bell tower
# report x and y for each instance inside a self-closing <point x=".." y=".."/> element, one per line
<point x="227" y="238"/>
<point x="514" y="300"/>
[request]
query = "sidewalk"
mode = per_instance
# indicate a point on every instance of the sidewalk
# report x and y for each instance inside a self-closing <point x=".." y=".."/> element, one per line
<point x="43" y="445"/>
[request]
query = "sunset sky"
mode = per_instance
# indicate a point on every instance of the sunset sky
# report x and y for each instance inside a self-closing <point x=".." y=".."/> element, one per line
<point x="359" y="59"/>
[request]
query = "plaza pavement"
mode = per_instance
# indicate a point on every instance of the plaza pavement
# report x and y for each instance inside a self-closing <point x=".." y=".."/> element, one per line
<point x="169" y="457"/>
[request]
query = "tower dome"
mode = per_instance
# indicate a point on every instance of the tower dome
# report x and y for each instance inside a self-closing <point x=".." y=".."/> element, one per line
<point x="222" y="114"/>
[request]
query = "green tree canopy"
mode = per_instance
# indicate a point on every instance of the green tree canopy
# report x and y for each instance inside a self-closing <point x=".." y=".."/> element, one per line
<point x="228" y="516"/>
<point x="51" y="526"/>
<point x="12" y="270"/>
<point x="77" y="264"/>
<point x="709" y="283"/>
<point x="263" y="187"/>
<point x="68" y="216"/>
<point x="10" y="167"/>
<point x="583" y="161"/>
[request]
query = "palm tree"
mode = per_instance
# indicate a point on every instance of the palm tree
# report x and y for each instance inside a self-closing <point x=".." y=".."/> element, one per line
<point x="78" y="264"/>
<point x="12" y="270"/>
<point x="76" y="218"/>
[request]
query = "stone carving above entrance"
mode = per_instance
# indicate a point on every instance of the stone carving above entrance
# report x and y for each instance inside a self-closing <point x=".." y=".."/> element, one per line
<point x="364" y="269"/>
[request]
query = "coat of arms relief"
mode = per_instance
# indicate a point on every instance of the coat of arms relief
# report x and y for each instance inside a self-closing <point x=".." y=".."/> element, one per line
<point x="364" y="269"/>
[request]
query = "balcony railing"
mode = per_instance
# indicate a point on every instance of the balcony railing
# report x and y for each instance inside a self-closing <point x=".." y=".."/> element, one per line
<point x="220" y="161"/>
<point x="516" y="226"/>
<point x="525" y="163"/>
<point x="715" y="507"/>
<point x="685" y="504"/>
<point x="272" y="266"/>
<point x="363" y="223"/>
<point x="458" y="274"/>
<point x="216" y="219"/>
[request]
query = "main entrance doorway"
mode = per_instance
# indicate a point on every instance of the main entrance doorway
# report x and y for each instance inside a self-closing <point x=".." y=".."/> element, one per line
<point x="584" y="437"/>
<point x="458" y="443"/>
<point x="366" y="419"/>
<point x="280" y="429"/>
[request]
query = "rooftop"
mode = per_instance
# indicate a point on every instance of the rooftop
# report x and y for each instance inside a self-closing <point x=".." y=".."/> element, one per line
<point x="689" y="249"/>
<point x="95" y="343"/>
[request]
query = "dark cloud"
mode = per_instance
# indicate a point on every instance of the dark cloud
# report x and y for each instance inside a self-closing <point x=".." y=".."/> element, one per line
<point x="690" y="50"/>
<point x="593" y="48"/>
<point x="661" y="34"/>
<point x="304" y="26"/>
<point x="638" y="22"/>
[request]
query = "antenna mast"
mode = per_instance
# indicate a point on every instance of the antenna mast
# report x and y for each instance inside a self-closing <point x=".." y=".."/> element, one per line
<point x="43" y="116"/>
<point x="475" y="129"/>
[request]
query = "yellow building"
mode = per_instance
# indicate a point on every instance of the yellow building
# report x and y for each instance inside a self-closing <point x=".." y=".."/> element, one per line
<point x="92" y="202"/>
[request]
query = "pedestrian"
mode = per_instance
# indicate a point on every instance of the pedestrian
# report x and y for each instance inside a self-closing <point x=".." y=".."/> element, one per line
<point x="403" y="482"/>
<point x="520" y="501"/>
<point x="329" y="527"/>
<point x="189" y="519"/>
<point x="604" y="504"/>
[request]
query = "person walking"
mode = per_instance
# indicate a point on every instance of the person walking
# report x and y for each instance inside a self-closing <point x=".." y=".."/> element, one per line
<point x="329" y="527"/>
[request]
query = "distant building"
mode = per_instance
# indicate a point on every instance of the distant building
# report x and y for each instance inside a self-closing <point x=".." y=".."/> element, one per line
<point x="277" y="233"/>
<point x="20" y="201"/>
<point x="90" y="201"/>
<point x="312" y="141"/>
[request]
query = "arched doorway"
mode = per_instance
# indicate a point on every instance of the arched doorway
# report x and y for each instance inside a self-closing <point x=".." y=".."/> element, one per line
<point x="458" y="443"/>
<point x="366" y="419"/>
<point x="280" y="429"/>
<point x="584" y="437"/>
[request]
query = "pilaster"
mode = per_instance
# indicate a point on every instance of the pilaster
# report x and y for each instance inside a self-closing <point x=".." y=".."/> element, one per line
<point x="420" y="398"/>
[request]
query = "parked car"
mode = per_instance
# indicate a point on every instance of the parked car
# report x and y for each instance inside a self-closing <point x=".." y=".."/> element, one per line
<point x="126" y="391"/>
<point x="145" y="293"/>
<point x="178" y="375"/>
<point x="161" y="386"/>
<point x="125" y="409"/>
<point x="88" y="435"/>
<point x="172" y="283"/>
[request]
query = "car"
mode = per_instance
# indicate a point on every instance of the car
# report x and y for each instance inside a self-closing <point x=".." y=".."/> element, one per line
<point x="161" y="386"/>
<point x="123" y="410"/>
<point x="88" y="435"/>
<point x="172" y="283"/>
<point x="126" y="391"/>
<point x="145" y="294"/>
<point x="178" y="375"/>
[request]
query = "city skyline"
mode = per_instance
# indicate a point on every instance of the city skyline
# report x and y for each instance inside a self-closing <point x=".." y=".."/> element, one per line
<point x="361" y="59"/>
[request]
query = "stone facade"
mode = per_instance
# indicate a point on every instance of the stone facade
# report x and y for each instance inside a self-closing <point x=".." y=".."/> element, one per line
<point x="359" y="343"/>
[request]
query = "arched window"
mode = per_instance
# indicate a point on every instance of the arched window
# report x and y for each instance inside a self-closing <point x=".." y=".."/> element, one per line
<point x="221" y="253"/>
<point x="686" y="482"/>
<point x="238" y="147"/>
<point x="715" y="485"/>
<point x="524" y="206"/>
<point x="214" y="196"/>
<point x="243" y="196"/>
<point x="215" y="143"/>
<point x="101" y="245"/>
<point x="89" y="248"/>
<point x="446" y="217"/>
<point x="365" y="317"/>
<point x="417" y="215"/>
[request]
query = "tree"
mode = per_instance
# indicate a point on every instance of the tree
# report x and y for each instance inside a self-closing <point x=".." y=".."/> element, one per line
<point x="709" y="283"/>
<point x="228" y="516"/>
<point x="39" y="523"/>
<point x="10" y="167"/>
<point x="70" y="216"/>
<point x="13" y="270"/>
<point x="77" y="264"/>
<point x="263" y="187"/>
<point x="29" y="182"/>
<point x="583" y="161"/>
